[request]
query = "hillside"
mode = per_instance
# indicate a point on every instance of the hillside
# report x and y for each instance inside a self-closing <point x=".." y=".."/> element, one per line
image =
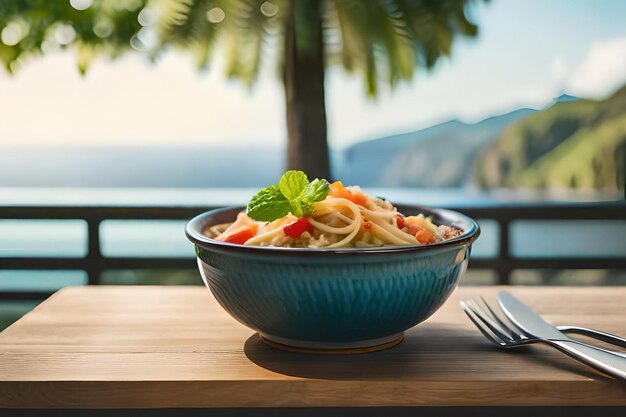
<point x="578" y="144"/>
<point x="423" y="158"/>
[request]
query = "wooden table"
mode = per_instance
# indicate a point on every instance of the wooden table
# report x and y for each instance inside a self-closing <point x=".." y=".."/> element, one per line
<point x="174" y="347"/>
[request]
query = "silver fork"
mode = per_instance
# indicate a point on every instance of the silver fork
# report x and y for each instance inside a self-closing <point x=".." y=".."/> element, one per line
<point x="596" y="334"/>
<point x="506" y="336"/>
<point x="493" y="321"/>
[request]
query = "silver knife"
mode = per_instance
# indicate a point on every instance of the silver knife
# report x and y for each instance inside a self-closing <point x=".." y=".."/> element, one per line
<point x="534" y="326"/>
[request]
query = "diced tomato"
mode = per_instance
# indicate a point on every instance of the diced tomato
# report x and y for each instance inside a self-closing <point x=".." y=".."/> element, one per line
<point x="366" y="224"/>
<point x="298" y="227"/>
<point x="400" y="221"/>
<point x="422" y="235"/>
<point x="238" y="235"/>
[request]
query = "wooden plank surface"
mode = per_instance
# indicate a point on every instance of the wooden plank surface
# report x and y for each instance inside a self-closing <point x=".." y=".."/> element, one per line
<point x="171" y="347"/>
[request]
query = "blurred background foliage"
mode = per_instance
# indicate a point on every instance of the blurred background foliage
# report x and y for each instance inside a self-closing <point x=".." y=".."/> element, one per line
<point x="379" y="39"/>
<point x="386" y="39"/>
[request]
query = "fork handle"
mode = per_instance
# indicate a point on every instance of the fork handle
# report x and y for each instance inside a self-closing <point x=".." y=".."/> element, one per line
<point x="600" y="359"/>
<point x="596" y="334"/>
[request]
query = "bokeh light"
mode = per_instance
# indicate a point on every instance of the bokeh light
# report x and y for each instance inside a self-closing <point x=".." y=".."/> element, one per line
<point x="269" y="9"/>
<point x="81" y="4"/>
<point x="103" y="29"/>
<point x="12" y="34"/>
<point x="215" y="15"/>
<point x="49" y="46"/>
<point x="148" y="16"/>
<point x="64" y="34"/>
<point x="148" y="37"/>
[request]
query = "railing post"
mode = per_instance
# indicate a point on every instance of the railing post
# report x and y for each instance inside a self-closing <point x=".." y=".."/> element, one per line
<point x="93" y="250"/>
<point x="504" y="271"/>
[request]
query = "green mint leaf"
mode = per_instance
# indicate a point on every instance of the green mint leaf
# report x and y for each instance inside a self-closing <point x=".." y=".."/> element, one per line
<point x="306" y="208"/>
<point x="297" y="209"/>
<point x="292" y="183"/>
<point x="268" y="205"/>
<point x="316" y="190"/>
<point x="293" y="194"/>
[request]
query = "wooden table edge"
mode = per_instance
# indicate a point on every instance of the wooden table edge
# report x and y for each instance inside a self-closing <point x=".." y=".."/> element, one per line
<point x="305" y="393"/>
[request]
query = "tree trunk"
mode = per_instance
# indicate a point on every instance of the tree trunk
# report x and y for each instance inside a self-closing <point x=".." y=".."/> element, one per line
<point x="303" y="77"/>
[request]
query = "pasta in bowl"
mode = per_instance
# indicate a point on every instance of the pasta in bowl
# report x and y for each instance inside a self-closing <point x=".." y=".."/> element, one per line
<point x="346" y="217"/>
<point x="332" y="284"/>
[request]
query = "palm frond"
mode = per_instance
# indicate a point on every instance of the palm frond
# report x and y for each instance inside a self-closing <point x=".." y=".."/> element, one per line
<point x="357" y="46"/>
<point x="195" y="33"/>
<point x="8" y="55"/>
<point x="395" y="37"/>
<point x="250" y="31"/>
<point x="171" y="13"/>
<point x="85" y="53"/>
<point x="380" y="39"/>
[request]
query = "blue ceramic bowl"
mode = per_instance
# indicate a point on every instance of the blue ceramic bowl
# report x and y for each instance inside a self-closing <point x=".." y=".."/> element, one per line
<point x="351" y="299"/>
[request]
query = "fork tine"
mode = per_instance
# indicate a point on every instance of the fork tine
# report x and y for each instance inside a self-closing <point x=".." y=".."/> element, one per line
<point x="494" y="327"/>
<point x="484" y="330"/>
<point x="504" y="325"/>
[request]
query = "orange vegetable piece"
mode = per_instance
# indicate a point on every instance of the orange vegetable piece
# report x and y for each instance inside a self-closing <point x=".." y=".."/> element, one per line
<point x="338" y="190"/>
<point x="337" y="185"/>
<point x="422" y="235"/>
<point x="238" y="235"/>
<point x="400" y="221"/>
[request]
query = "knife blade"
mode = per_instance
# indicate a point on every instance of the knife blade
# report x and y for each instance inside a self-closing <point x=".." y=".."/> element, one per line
<point x="526" y="319"/>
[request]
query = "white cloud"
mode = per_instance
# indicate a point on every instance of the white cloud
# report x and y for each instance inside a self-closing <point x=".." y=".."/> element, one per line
<point x="559" y="68"/>
<point x="132" y="103"/>
<point x="602" y="71"/>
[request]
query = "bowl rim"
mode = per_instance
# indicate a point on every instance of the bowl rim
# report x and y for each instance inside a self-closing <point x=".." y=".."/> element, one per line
<point x="196" y="225"/>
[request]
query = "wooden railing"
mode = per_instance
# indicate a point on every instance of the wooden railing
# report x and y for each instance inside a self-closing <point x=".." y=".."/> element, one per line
<point x="94" y="263"/>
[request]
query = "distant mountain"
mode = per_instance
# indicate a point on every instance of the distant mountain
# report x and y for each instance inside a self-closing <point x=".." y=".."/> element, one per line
<point x="573" y="144"/>
<point x="439" y="156"/>
<point x="564" y="98"/>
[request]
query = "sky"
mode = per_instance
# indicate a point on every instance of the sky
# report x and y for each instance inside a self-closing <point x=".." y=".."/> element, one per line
<point x="527" y="53"/>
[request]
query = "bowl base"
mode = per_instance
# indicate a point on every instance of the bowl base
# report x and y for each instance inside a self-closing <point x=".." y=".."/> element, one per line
<point x="348" y="348"/>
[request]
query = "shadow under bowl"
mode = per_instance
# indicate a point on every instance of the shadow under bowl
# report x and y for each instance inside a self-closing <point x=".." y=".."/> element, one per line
<point x="347" y="300"/>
